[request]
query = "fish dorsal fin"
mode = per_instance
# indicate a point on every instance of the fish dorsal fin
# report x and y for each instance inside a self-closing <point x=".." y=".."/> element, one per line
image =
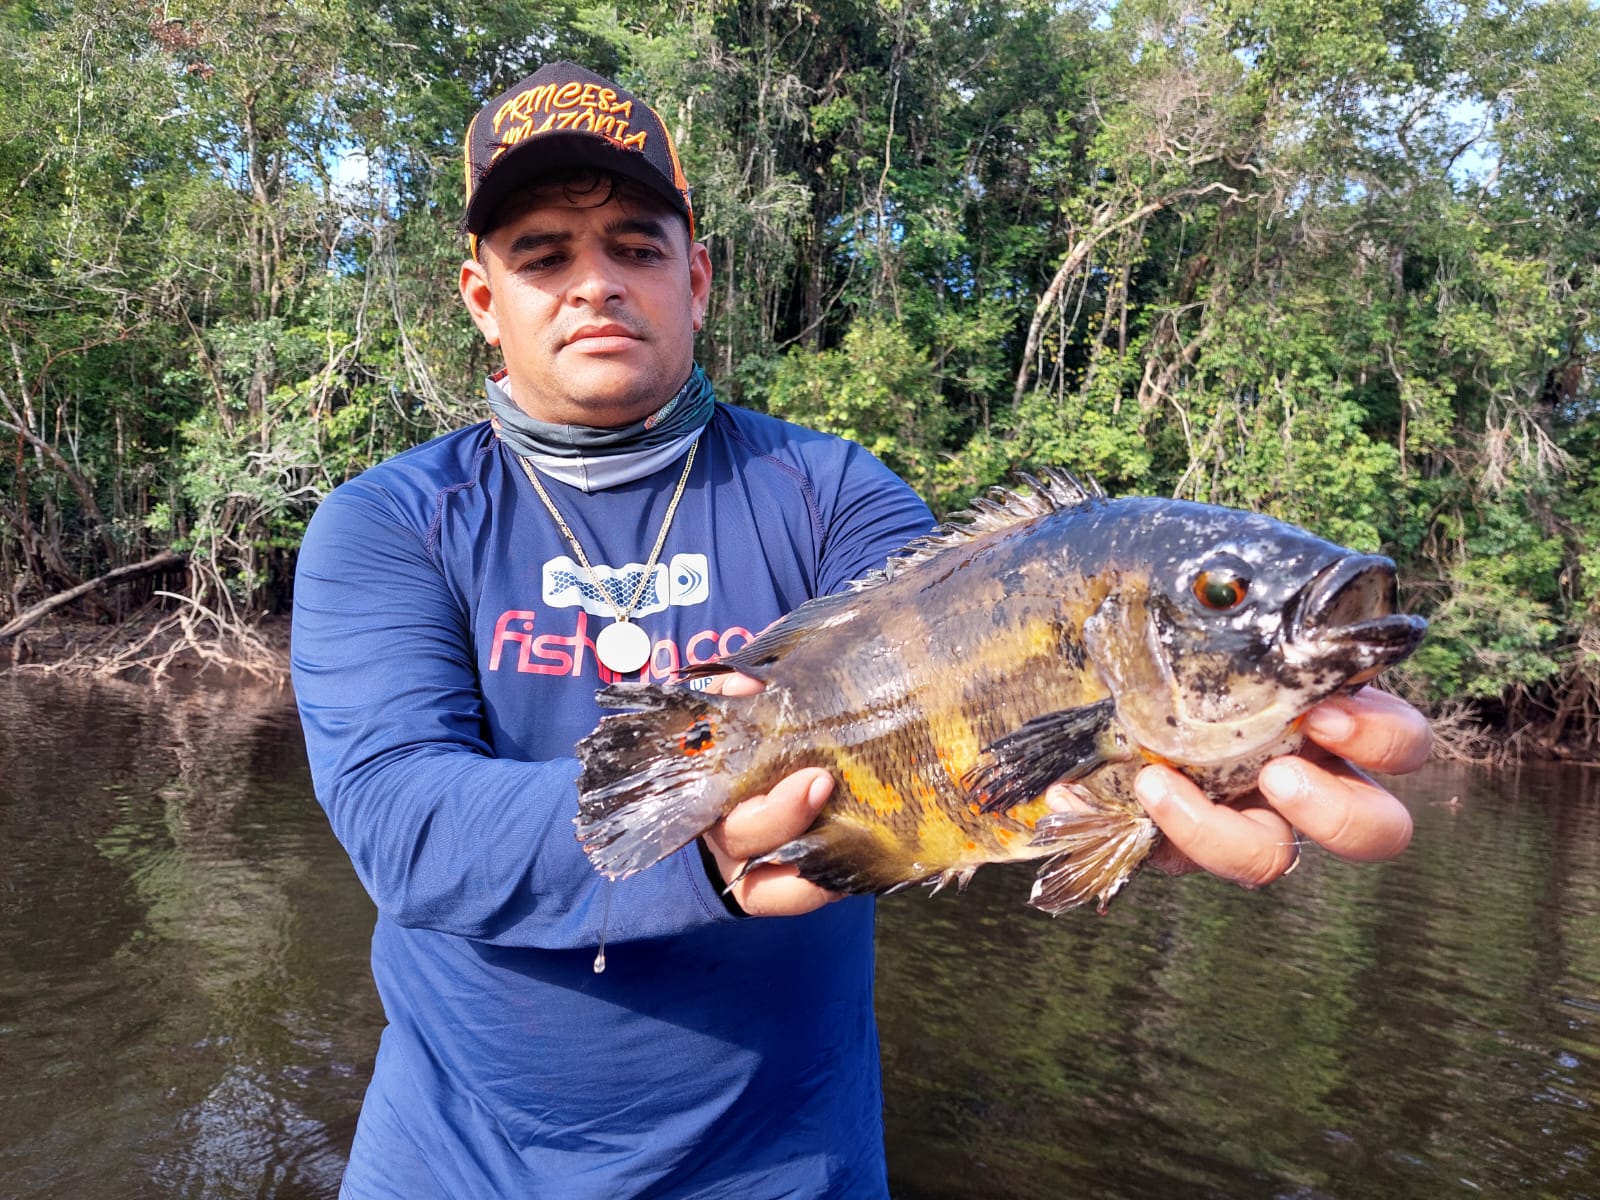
<point x="1027" y="498"/>
<point x="1052" y="490"/>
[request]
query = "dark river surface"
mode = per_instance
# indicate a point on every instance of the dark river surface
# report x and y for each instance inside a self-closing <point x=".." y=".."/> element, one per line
<point x="185" y="1009"/>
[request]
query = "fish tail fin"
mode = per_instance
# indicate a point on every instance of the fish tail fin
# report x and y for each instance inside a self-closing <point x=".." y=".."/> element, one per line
<point x="655" y="778"/>
<point x="1097" y="853"/>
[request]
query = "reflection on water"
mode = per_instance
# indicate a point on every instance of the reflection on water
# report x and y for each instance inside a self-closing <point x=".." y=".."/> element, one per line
<point x="1427" y="1028"/>
<point x="185" y="1009"/>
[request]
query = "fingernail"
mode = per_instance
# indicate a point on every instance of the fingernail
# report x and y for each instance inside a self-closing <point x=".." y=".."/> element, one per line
<point x="1282" y="781"/>
<point x="1329" y="723"/>
<point x="819" y="791"/>
<point x="1152" y="789"/>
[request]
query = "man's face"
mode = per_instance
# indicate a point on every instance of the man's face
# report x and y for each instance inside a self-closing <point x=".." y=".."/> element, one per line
<point x="594" y="305"/>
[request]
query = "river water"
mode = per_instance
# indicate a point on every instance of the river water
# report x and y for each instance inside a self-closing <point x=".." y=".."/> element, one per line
<point x="185" y="1009"/>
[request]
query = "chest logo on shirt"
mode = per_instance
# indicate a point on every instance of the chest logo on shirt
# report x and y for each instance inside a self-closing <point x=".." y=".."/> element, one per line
<point x="562" y="643"/>
<point x="681" y="580"/>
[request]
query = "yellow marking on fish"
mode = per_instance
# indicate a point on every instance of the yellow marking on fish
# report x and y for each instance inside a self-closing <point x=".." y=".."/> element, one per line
<point x="866" y="786"/>
<point x="941" y="841"/>
<point x="954" y="739"/>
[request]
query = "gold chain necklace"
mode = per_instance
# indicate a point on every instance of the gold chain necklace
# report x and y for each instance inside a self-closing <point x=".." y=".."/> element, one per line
<point x="622" y="647"/>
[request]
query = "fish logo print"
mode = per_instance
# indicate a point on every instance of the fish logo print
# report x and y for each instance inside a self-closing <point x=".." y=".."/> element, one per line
<point x="681" y="581"/>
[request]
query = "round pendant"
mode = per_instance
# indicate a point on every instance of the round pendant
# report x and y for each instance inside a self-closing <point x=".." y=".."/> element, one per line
<point x="622" y="647"/>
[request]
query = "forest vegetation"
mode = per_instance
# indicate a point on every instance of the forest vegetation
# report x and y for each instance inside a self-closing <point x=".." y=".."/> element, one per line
<point x="1338" y="262"/>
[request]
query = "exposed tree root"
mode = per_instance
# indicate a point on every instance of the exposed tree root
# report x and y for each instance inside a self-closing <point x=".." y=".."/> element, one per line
<point x="152" y="645"/>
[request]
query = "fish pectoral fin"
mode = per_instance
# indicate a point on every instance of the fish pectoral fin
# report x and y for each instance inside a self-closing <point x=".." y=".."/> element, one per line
<point x="1055" y="745"/>
<point x="1097" y="854"/>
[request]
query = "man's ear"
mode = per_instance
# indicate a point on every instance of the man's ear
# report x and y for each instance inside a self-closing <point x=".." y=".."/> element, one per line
<point x="479" y="299"/>
<point x="699" y="281"/>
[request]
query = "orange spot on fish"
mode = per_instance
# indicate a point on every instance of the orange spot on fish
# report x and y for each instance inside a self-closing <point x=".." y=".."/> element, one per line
<point x="702" y="735"/>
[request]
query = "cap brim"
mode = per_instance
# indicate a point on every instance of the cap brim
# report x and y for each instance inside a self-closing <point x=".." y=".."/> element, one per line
<point x="523" y="166"/>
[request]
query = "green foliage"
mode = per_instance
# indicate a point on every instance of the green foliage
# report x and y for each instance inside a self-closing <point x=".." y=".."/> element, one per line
<point x="1336" y="262"/>
<point x="1496" y="629"/>
<point x="877" y="389"/>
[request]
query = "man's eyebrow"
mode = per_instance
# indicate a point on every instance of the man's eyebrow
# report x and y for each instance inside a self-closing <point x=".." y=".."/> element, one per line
<point x="648" y="227"/>
<point x="526" y="242"/>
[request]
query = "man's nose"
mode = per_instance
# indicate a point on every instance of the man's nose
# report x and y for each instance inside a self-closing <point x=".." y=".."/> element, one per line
<point x="597" y="279"/>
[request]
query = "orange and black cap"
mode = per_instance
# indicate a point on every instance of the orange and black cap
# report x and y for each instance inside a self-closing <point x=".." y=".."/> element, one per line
<point x="560" y="118"/>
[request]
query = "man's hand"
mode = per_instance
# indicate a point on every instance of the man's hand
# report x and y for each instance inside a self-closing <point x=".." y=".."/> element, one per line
<point x="1326" y="798"/>
<point x="760" y="825"/>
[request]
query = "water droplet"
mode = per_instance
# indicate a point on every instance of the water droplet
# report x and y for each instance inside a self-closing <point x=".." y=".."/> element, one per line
<point x="605" y="916"/>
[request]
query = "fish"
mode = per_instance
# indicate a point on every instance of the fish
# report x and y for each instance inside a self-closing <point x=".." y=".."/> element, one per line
<point x="1047" y="634"/>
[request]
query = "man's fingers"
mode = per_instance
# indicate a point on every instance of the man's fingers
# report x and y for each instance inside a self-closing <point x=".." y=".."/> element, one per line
<point x="778" y="891"/>
<point x="1338" y="807"/>
<point x="761" y="824"/>
<point x="1372" y="729"/>
<point x="734" y="684"/>
<point x="1251" y="846"/>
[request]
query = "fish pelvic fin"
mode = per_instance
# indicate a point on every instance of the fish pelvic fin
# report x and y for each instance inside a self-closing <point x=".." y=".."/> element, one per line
<point x="1066" y="744"/>
<point x="653" y="779"/>
<point x="845" y="858"/>
<point x="1097" y="853"/>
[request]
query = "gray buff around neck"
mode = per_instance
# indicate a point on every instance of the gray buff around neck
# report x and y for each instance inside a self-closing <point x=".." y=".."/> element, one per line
<point x="591" y="458"/>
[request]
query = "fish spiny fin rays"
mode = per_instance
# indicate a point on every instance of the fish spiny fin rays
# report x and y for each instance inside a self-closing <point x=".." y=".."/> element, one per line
<point x="960" y="876"/>
<point x="1056" y="745"/>
<point x="650" y="782"/>
<point x="1029" y="497"/>
<point x="1098" y="854"/>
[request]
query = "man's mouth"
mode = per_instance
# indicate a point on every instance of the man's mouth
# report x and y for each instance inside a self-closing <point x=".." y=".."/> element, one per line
<point x="600" y="339"/>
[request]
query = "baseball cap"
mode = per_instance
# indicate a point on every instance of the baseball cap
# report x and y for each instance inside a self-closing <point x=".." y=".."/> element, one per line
<point x="563" y="117"/>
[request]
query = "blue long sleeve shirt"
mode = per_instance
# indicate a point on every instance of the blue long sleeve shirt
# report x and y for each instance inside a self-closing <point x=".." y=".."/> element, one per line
<point x="444" y="664"/>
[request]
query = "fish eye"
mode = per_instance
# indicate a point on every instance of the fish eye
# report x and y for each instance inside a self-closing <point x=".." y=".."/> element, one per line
<point x="1221" y="588"/>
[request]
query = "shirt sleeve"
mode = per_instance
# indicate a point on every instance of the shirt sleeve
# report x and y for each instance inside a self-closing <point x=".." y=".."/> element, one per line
<point x="869" y="514"/>
<point x="443" y="834"/>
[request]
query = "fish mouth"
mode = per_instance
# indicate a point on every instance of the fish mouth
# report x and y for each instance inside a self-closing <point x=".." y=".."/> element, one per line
<point x="1352" y="605"/>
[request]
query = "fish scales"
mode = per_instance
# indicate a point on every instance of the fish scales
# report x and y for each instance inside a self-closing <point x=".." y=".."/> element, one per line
<point x="1049" y="636"/>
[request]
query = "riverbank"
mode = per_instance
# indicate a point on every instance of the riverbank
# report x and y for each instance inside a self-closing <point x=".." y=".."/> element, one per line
<point x="186" y="648"/>
<point x="187" y="651"/>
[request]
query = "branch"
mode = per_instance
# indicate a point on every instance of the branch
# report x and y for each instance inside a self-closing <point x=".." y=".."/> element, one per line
<point x="1074" y="262"/>
<point x="167" y="558"/>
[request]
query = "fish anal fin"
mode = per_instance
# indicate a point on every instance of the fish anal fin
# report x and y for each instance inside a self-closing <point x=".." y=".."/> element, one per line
<point x="960" y="876"/>
<point x="1096" y="854"/>
<point x="1064" y="744"/>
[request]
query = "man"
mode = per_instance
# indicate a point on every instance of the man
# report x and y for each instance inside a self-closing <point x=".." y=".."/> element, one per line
<point x="456" y="608"/>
